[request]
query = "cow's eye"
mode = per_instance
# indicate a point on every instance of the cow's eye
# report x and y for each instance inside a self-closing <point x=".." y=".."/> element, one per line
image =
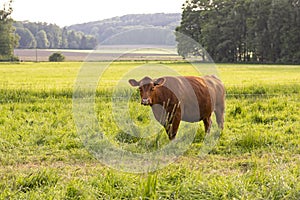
<point x="152" y="89"/>
<point x="140" y="89"/>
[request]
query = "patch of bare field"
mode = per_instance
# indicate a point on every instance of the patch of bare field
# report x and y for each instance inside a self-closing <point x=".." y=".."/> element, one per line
<point x="122" y="53"/>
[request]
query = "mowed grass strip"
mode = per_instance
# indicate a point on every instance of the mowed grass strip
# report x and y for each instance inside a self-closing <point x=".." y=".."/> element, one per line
<point x="42" y="156"/>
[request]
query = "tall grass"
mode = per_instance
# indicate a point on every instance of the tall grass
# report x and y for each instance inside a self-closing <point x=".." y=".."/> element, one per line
<point x="43" y="157"/>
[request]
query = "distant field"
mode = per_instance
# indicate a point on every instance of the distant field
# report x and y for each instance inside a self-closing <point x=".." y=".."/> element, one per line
<point x="42" y="156"/>
<point x="103" y="53"/>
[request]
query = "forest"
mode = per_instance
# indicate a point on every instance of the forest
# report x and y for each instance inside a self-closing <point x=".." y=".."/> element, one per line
<point x="129" y="29"/>
<point x="50" y="36"/>
<point x="258" y="31"/>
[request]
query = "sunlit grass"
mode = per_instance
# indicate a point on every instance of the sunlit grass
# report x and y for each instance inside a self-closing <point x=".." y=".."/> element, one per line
<point x="42" y="156"/>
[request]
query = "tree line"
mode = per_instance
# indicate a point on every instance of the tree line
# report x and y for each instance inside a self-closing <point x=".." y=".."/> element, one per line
<point x="44" y="36"/>
<point x="128" y="29"/>
<point x="264" y="31"/>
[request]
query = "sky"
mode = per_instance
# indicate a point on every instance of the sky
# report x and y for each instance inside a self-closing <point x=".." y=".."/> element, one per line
<point x="69" y="12"/>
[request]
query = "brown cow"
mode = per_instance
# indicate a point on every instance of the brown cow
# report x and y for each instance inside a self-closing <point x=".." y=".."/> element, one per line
<point x="186" y="98"/>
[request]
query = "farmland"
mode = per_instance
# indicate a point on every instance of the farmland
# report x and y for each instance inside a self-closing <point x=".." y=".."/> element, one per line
<point x="42" y="156"/>
<point x="103" y="52"/>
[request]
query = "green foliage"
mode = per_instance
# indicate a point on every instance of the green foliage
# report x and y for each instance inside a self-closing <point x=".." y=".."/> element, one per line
<point x="43" y="35"/>
<point x="42" y="157"/>
<point x="27" y="40"/>
<point x="263" y="31"/>
<point x="56" y="57"/>
<point x="8" y="40"/>
<point x="42" y="40"/>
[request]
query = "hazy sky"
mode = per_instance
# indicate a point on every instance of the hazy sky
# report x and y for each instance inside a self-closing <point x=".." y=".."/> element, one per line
<point x="68" y="12"/>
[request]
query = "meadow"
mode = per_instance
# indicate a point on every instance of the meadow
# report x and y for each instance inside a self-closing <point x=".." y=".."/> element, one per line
<point x="42" y="156"/>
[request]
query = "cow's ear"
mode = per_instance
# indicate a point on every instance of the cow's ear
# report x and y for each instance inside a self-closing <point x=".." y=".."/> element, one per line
<point x="133" y="82"/>
<point x="159" y="81"/>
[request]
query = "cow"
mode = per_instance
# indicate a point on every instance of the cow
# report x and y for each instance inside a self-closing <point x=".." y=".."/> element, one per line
<point x="186" y="98"/>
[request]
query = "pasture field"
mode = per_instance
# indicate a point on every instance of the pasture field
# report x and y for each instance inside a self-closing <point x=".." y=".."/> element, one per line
<point x="42" y="157"/>
<point x="128" y="52"/>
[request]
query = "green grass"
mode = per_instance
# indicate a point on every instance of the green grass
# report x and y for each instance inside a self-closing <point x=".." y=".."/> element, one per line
<point x="43" y="157"/>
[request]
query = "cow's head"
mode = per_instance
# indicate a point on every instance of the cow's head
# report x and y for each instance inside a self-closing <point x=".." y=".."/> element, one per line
<point x="147" y="88"/>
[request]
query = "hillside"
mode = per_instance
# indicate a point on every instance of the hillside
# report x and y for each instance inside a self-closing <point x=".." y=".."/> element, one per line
<point x="155" y="29"/>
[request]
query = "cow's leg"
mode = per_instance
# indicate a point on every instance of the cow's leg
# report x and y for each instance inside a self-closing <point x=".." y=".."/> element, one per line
<point x="207" y="124"/>
<point x="174" y="128"/>
<point x="219" y="112"/>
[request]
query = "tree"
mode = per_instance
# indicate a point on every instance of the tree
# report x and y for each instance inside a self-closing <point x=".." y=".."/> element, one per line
<point x="242" y="30"/>
<point x="88" y="42"/>
<point x="285" y="30"/>
<point x="42" y="40"/>
<point x="27" y="40"/>
<point x="64" y="38"/>
<point x="54" y="35"/>
<point x="8" y="40"/>
<point x="190" y="30"/>
<point x="260" y="33"/>
<point x="56" y="57"/>
<point x="74" y="39"/>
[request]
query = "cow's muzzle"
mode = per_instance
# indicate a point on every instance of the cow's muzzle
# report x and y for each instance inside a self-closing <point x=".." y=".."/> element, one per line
<point x="146" y="102"/>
